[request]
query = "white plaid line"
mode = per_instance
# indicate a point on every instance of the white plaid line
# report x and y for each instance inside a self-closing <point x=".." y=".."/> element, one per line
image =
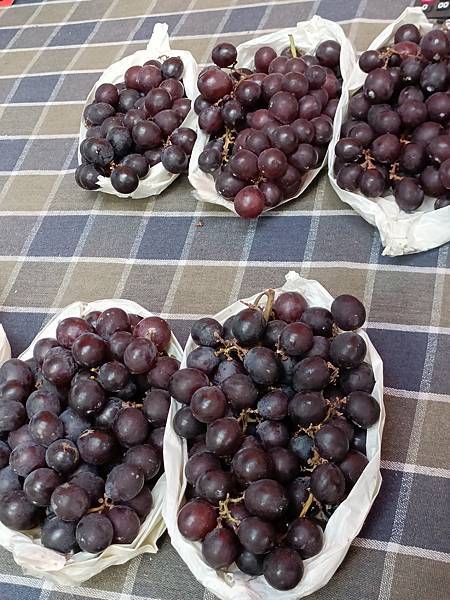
<point x="159" y="213"/>
<point x="40" y="136"/>
<point x="248" y="33"/>
<point x="199" y="206"/>
<point x="166" y="14"/>
<point x="390" y="547"/>
<point x="26" y="246"/>
<point x="415" y="437"/>
<point x="28" y="104"/>
<point x="228" y="263"/>
<point x="98" y="202"/>
<point x="13" y="40"/>
<point x="409" y="394"/>
<point x="38" y="53"/>
<point x="416" y="469"/>
<point x="313" y="229"/>
<point x="233" y="263"/>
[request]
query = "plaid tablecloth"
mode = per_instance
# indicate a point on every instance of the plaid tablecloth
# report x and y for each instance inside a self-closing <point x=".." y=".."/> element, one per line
<point x="184" y="260"/>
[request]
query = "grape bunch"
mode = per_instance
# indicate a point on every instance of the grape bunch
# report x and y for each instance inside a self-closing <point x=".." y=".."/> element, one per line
<point x="81" y="430"/>
<point x="275" y="404"/>
<point x="268" y="126"/>
<point x="136" y="124"/>
<point x="397" y="139"/>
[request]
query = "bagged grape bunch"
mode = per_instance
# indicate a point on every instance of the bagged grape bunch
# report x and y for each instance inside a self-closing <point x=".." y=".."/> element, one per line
<point x="265" y="115"/>
<point x="272" y="444"/>
<point x="389" y="157"/>
<point x="82" y="419"/>
<point x="137" y="130"/>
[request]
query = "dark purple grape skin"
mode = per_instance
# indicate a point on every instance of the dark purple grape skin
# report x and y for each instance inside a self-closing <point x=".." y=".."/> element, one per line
<point x="328" y="483"/>
<point x="286" y="464"/>
<point x="220" y="548"/>
<point x="58" y="535"/>
<point x="9" y="481"/>
<point x="348" y="312"/>
<point x="273" y="405"/>
<point x="347" y="350"/>
<point x="311" y="373"/>
<point x="62" y="455"/>
<point x="248" y="326"/>
<point x="124" y="482"/>
<point x="96" y="447"/>
<point x="332" y="444"/>
<point x="215" y="485"/>
<point x="130" y="427"/>
<point x="17" y="512"/>
<point x="224" y="436"/>
<point x="289" y="306"/>
<point x="45" y="427"/>
<point x="41" y="348"/>
<point x="142" y="504"/>
<point x="58" y="366"/>
<point x="185" y="382"/>
<point x="240" y="391"/>
<point x="251" y="464"/>
<point x="186" y="425"/>
<point x="266" y="498"/>
<point x="196" y="519"/>
<point x="94" y="533"/>
<point x="74" y="424"/>
<point x="360" y="378"/>
<point x="250" y="563"/>
<point x="91" y="483"/>
<point x="283" y="568"/>
<point x="262" y="366"/>
<point x="273" y="434"/>
<point x="203" y="358"/>
<point x="362" y="409"/>
<point x="307" y="408"/>
<point x="69" y="502"/>
<point x="352" y="466"/>
<point x="39" y="486"/>
<point x="408" y="194"/>
<point x="159" y="376"/>
<point x="296" y="339"/>
<point x="200" y="463"/>
<point x="306" y="537"/>
<point x="146" y="458"/>
<point x="256" y="535"/>
<point x="156" y="404"/>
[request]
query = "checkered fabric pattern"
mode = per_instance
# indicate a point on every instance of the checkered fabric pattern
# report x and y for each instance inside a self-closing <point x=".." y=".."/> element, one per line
<point x="185" y="259"/>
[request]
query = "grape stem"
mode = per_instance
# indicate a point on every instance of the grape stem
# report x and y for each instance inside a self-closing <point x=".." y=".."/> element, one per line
<point x="367" y="164"/>
<point x="393" y="172"/>
<point x="292" y="46"/>
<point x="231" y="346"/>
<point x="334" y="372"/>
<point x="228" y="139"/>
<point x="248" y="415"/>
<point x="306" y="506"/>
<point x="270" y="293"/>
<point x="315" y="461"/>
<point x="224" y="511"/>
<point x="105" y="503"/>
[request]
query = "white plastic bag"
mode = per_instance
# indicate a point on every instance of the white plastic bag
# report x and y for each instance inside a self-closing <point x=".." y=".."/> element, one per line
<point x="26" y="548"/>
<point x="343" y="526"/>
<point x="307" y="36"/>
<point x="158" y="178"/>
<point x="401" y="232"/>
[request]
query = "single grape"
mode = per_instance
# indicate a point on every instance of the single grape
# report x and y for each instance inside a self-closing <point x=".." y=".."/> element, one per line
<point x="311" y="373"/>
<point x="215" y="485"/>
<point x="256" y="536"/>
<point x="352" y="466"/>
<point x="74" y="424"/>
<point x="309" y="107"/>
<point x="185" y="382"/>
<point x="273" y="434"/>
<point x="142" y="504"/>
<point x="362" y="409"/>
<point x="91" y="483"/>
<point x="220" y="548"/>
<point x="266" y="499"/>
<point x="251" y="464"/>
<point x="307" y="408"/>
<point x="435" y="45"/>
<point x="296" y="339"/>
<point x="186" y="425"/>
<point x="283" y="568"/>
<point x="94" y="533"/>
<point x="360" y="378"/>
<point x="289" y="306"/>
<point x="262" y="365"/>
<point x="306" y="537"/>
<point x="284" y="107"/>
<point x="125" y="522"/>
<point x="57" y="534"/>
<point x="130" y="427"/>
<point x="62" y="456"/>
<point x="328" y="483"/>
<point x="408" y="194"/>
<point x="124" y="179"/>
<point x="17" y="512"/>
<point x="273" y="405"/>
<point x="96" y="447"/>
<point x="224" y="436"/>
<point x="40" y="484"/>
<point x="69" y="502"/>
<point x="214" y="84"/>
<point x="146" y="458"/>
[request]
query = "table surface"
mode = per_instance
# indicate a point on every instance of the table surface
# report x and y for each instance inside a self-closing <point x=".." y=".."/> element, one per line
<point x="185" y="259"/>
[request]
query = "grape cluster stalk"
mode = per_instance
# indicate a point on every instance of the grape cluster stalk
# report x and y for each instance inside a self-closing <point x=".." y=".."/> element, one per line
<point x="268" y="126"/>
<point x="397" y="137"/>
<point x="275" y="404"/>
<point x="136" y="124"/>
<point x="81" y="430"/>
